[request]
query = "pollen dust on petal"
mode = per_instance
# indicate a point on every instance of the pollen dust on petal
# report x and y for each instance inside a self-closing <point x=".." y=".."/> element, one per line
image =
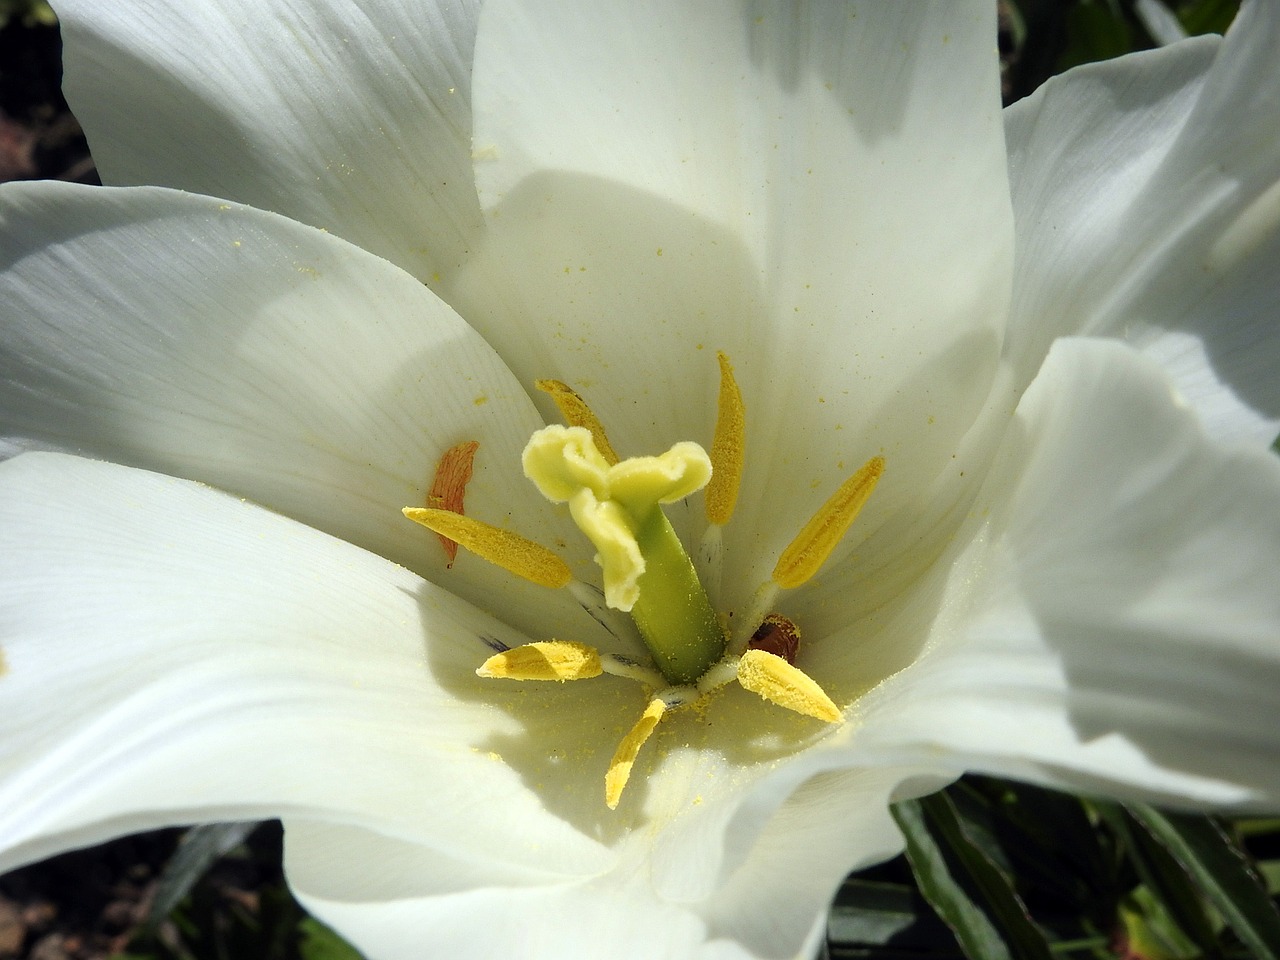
<point x="450" y="486"/>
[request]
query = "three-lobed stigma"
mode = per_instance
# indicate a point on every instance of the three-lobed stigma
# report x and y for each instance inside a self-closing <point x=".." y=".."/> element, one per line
<point x="646" y="572"/>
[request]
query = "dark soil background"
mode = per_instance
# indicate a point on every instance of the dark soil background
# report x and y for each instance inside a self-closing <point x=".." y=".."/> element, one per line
<point x="39" y="138"/>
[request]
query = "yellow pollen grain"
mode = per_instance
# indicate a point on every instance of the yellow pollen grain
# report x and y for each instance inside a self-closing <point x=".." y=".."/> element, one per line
<point x="512" y="552"/>
<point x="728" y="448"/>
<point x="577" y="414"/>
<point x="779" y="682"/>
<point x="625" y="756"/>
<point x="545" y="660"/>
<point x="806" y="554"/>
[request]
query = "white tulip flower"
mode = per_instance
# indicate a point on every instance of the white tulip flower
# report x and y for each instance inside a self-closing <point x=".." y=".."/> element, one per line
<point x="346" y="238"/>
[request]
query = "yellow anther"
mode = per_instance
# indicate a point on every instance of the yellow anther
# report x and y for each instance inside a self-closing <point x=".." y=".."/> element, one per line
<point x="812" y="545"/>
<point x="577" y="414"/>
<point x="512" y="552"/>
<point x="727" y="448"/>
<point x="787" y="686"/>
<point x="625" y="756"/>
<point x="544" y="660"/>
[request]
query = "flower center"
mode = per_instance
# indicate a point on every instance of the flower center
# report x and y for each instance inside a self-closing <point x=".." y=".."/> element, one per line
<point x="646" y="572"/>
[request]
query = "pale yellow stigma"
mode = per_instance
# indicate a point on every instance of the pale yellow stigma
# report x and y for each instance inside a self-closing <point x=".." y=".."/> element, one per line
<point x="577" y="414"/>
<point x="806" y="554"/>
<point x="624" y="757"/>
<point x="545" y="660"/>
<point x="610" y="503"/>
<point x="728" y="448"/>
<point x="503" y="548"/>
<point x="779" y="682"/>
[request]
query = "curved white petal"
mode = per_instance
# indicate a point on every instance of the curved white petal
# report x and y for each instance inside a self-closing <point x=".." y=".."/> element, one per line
<point x="1147" y="198"/>
<point x="232" y="346"/>
<point x="390" y="897"/>
<point x="820" y="192"/>
<point x="350" y="116"/>
<point x="174" y="654"/>
<point x="1115" y="624"/>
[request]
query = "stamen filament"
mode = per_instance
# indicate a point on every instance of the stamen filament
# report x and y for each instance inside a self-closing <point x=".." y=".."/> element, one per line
<point x="710" y="561"/>
<point x="762" y="601"/>
<point x="721" y="673"/>
<point x="577" y="414"/>
<point x="512" y="552"/>
<point x="619" y="666"/>
<point x="728" y="447"/>
<point x="591" y="599"/>
<point x="806" y="554"/>
<point x="624" y="757"/>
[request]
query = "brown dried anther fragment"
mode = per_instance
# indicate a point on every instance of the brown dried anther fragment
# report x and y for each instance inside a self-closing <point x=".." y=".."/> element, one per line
<point x="450" y="486"/>
<point x="777" y="635"/>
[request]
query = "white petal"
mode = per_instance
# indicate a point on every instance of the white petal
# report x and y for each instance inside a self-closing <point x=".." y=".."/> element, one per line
<point x="777" y="902"/>
<point x="390" y="897"/>
<point x="350" y="116"/>
<point x="1122" y="636"/>
<point x="821" y="193"/>
<point x="1147" y="197"/>
<point x="235" y="347"/>
<point x="174" y="654"/>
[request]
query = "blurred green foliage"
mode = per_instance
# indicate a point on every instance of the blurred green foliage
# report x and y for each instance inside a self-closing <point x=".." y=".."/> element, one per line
<point x="1045" y="37"/>
<point x="1005" y="871"/>
<point x="28" y="11"/>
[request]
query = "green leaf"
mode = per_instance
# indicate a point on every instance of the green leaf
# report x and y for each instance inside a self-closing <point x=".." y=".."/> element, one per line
<point x="969" y="892"/>
<point x="1208" y="16"/>
<point x="321" y="943"/>
<point x="1150" y="932"/>
<point x="1095" y="31"/>
<point x="871" y="913"/>
<point x="199" y="848"/>
<point x="1179" y="900"/>
<point x="1220" y="869"/>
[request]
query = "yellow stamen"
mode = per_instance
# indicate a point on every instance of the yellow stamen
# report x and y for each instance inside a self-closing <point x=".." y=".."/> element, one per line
<point x="577" y="414"/>
<point x="727" y="448"/>
<point x="546" y="660"/>
<point x="453" y="472"/>
<point x="508" y="550"/>
<point x="787" y="686"/>
<point x="625" y="756"/>
<point x="812" y="545"/>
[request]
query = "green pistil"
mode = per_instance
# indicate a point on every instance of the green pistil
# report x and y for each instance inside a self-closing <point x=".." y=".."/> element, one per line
<point x="645" y="569"/>
<point x="673" y="613"/>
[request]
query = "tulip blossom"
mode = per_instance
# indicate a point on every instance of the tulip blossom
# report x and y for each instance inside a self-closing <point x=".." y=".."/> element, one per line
<point x="960" y="416"/>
